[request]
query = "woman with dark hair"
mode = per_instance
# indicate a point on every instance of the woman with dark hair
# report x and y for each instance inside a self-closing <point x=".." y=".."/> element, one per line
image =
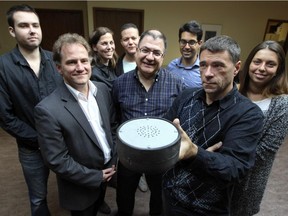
<point x="104" y="56"/>
<point x="103" y="69"/>
<point x="263" y="80"/>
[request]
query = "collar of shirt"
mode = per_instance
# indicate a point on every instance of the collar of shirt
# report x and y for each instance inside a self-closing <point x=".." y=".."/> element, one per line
<point x="19" y="58"/>
<point x="224" y="102"/>
<point x="156" y="77"/>
<point x="195" y="65"/>
<point x="80" y="96"/>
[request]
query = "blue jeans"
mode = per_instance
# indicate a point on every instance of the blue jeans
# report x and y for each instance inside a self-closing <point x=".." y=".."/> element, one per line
<point x="36" y="176"/>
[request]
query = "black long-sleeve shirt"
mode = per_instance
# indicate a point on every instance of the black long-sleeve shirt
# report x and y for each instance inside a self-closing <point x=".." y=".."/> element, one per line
<point x="21" y="90"/>
<point x="204" y="185"/>
<point x="104" y="74"/>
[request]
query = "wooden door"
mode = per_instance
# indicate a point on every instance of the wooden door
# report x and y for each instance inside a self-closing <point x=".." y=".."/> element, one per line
<point x="114" y="18"/>
<point x="57" y="22"/>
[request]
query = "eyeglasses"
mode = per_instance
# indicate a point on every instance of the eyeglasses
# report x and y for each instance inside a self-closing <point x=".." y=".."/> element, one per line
<point x="156" y="53"/>
<point x="190" y="42"/>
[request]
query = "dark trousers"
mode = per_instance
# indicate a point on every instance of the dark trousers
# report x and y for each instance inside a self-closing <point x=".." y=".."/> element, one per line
<point x="93" y="209"/>
<point x="171" y="208"/>
<point x="127" y="183"/>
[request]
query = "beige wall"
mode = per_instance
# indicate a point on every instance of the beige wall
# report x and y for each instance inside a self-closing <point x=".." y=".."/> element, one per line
<point x="244" y="21"/>
<point x="7" y="42"/>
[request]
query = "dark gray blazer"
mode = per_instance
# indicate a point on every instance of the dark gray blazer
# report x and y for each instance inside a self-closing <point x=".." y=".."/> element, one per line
<point x="70" y="147"/>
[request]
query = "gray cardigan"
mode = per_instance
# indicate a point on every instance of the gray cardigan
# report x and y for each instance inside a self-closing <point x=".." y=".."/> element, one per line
<point x="249" y="193"/>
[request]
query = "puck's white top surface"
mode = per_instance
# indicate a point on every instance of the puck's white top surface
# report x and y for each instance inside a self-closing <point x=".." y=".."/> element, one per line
<point x="148" y="133"/>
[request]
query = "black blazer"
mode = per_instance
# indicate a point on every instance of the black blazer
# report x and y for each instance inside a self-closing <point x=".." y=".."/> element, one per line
<point x="70" y="147"/>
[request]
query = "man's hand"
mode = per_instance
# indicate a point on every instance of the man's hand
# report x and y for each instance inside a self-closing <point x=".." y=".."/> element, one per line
<point x="108" y="173"/>
<point x="187" y="148"/>
<point x="215" y="147"/>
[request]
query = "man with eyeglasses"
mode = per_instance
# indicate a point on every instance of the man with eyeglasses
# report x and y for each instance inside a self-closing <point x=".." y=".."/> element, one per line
<point x="129" y="40"/>
<point x="147" y="91"/>
<point x="187" y="66"/>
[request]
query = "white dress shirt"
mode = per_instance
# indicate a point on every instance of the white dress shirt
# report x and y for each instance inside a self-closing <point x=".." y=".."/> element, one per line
<point x="91" y="110"/>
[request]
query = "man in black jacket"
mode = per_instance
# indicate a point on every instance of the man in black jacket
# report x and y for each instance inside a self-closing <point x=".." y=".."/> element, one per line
<point x="27" y="75"/>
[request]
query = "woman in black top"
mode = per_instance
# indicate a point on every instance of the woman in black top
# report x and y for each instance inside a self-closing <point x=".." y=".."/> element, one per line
<point x="104" y="56"/>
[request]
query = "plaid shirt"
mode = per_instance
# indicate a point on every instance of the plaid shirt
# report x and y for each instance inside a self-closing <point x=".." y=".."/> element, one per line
<point x="132" y="100"/>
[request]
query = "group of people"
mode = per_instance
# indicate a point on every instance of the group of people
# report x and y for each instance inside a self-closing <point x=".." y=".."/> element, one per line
<point x="64" y="108"/>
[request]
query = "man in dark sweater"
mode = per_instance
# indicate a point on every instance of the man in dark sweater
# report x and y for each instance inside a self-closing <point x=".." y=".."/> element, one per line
<point x="202" y="182"/>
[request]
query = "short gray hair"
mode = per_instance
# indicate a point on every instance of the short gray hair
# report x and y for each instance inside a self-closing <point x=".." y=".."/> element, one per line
<point x="223" y="43"/>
